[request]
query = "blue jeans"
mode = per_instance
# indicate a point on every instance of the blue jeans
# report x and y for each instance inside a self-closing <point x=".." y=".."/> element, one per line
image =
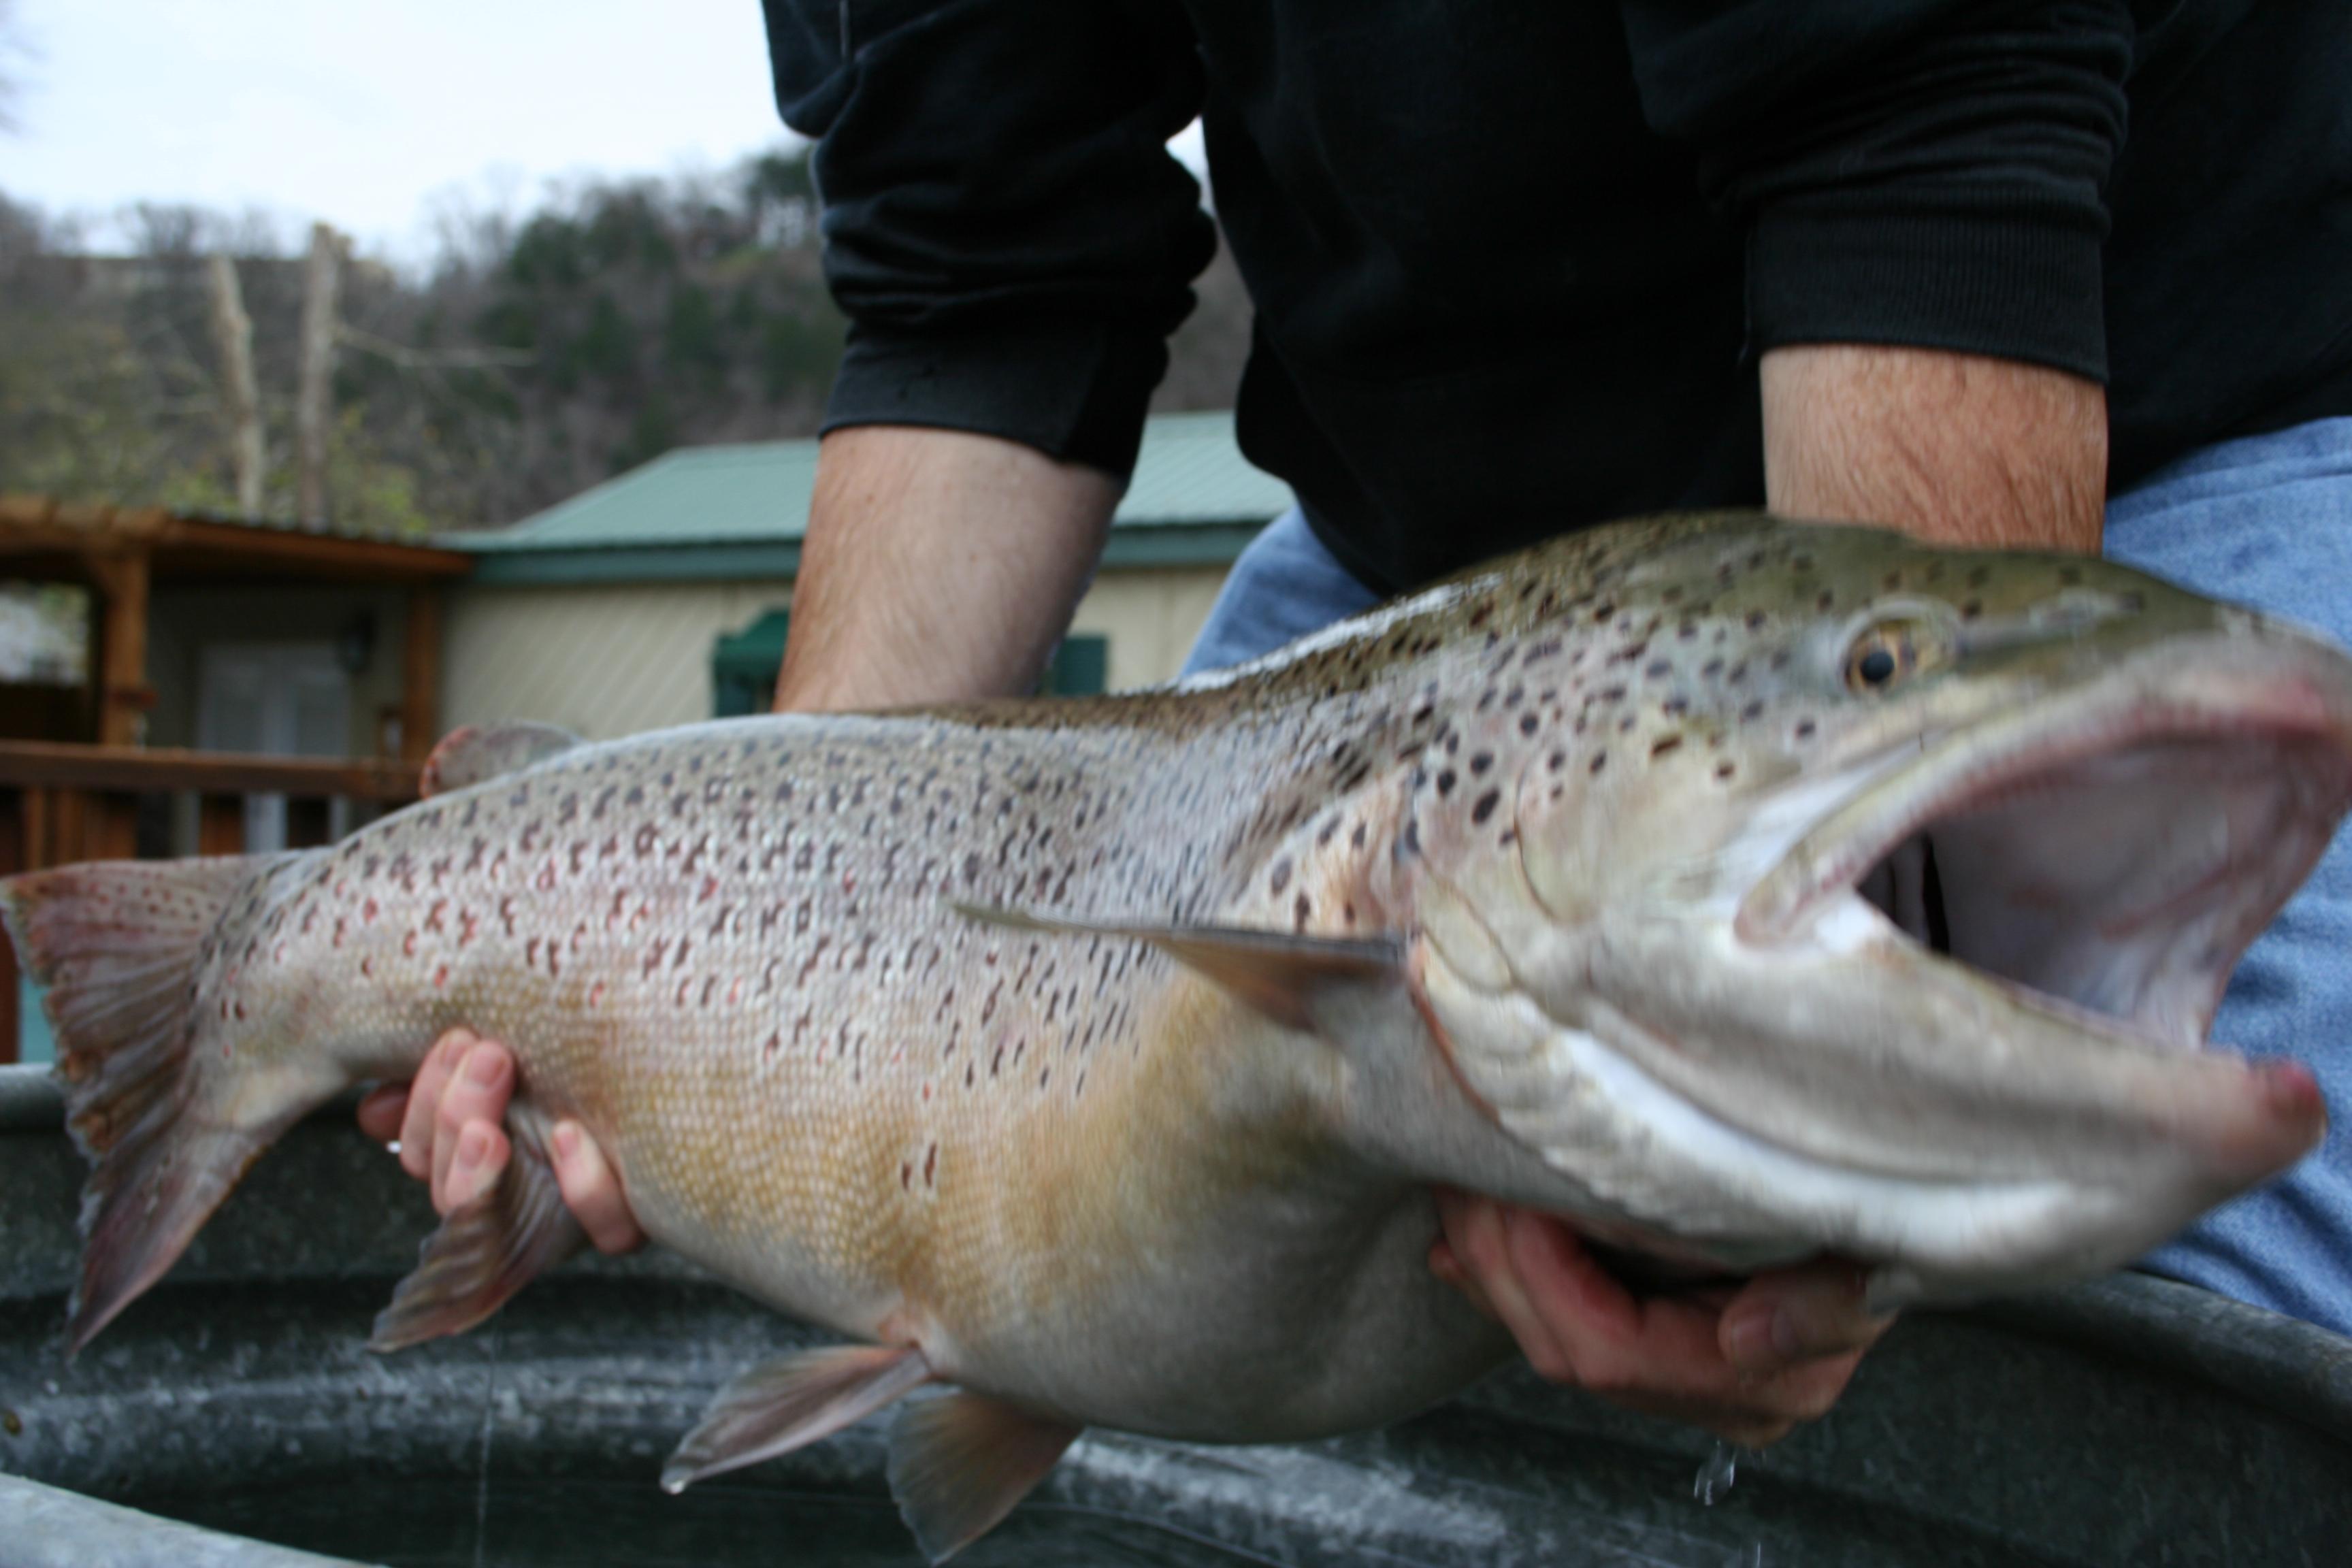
<point x="2267" y="522"/>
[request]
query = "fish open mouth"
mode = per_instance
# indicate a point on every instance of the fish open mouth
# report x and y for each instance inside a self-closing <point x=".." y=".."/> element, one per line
<point x="2107" y="867"/>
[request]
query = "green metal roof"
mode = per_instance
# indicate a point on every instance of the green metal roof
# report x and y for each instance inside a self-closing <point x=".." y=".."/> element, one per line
<point x="740" y="510"/>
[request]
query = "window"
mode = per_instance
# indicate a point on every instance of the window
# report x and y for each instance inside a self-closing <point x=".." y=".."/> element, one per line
<point x="284" y="700"/>
<point x="744" y="667"/>
<point x="1081" y="667"/>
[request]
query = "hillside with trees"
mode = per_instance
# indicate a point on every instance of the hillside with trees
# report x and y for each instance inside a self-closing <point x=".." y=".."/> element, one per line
<point x="531" y="358"/>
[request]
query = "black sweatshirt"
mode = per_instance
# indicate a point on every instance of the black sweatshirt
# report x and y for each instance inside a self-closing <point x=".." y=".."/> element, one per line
<point x="1514" y="261"/>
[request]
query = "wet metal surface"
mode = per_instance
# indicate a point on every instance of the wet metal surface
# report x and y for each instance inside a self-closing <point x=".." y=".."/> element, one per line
<point x="2131" y="1422"/>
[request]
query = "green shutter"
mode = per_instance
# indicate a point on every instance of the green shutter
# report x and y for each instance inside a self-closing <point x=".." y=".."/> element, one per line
<point x="1081" y="667"/>
<point x="744" y="667"/>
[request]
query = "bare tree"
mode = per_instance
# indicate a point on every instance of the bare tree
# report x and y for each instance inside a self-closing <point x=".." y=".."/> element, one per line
<point x="314" y="414"/>
<point x="241" y="398"/>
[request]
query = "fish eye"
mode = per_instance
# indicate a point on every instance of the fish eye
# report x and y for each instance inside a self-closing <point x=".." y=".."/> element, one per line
<point x="1885" y="652"/>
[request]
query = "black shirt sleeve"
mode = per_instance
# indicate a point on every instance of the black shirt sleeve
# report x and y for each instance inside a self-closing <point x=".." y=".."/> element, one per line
<point x="1912" y="172"/>
<point x="1003" y="225"/>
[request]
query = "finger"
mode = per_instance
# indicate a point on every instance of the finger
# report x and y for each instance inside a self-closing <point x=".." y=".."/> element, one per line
<point x="382" y="1111"/>
<point x="1794" y="1316"/>
<point x="1477" y="1230"/>
<point x="1613" y="1342"/>
<point x="591" y="1190"/>
<point x="1448" y="1267"/>
<point x="477" y="1156"/>
<point x="416" y="1124"/>
<point x="477" y="1091"/>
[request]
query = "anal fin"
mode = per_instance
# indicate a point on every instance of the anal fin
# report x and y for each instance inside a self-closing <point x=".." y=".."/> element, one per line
<point x="485" y="1251"/>
<point x="960" y="1463"/>
<point x="791" y="1403"/>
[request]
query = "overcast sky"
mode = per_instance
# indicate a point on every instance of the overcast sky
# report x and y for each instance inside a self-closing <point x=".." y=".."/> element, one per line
<point x="364" y="115"/>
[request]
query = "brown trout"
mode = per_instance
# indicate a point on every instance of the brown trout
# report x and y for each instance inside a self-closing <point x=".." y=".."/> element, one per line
<point x="1744" y="891"/>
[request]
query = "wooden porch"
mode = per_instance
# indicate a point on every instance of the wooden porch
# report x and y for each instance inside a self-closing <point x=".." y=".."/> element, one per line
<point x="95" y="792"/>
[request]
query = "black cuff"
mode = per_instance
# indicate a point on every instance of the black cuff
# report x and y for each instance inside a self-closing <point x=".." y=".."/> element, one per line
<point x="2002" y="281"/>
<point x="1075" y="391"/>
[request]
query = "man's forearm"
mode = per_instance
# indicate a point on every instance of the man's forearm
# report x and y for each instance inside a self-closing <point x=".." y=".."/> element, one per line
<point x="938" y="565"/>
<point x="1954" y="447"/>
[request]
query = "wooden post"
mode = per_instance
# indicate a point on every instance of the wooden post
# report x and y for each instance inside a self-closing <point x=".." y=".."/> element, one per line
<point x="122" y="691"/>
<point x="420" y="676"/>
<point x="220" y="825"/>
<point x="314" y="395"/>
<point x="240" y="396"/>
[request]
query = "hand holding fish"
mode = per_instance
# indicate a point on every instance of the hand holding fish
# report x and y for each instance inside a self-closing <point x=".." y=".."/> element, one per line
<point x="1747" y="1366"/>
<point x="446" y="1125"/>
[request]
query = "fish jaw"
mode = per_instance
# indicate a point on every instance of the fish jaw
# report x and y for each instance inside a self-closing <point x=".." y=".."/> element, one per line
<point x="1751" y="1060"/>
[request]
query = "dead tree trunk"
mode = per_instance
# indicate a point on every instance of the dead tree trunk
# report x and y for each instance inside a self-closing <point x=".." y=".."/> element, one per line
<point x="314" y="400"/>
<point x="240" y="400"/>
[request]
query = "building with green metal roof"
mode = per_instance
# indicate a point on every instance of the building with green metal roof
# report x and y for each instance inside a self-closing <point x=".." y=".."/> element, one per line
<point x="662" y="595"/>
<point x="713" y="513"/>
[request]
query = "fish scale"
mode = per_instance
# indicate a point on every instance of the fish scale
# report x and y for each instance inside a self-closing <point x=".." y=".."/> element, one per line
<point x="1097" y="1057"/>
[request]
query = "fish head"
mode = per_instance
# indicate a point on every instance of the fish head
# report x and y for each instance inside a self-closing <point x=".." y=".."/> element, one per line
<point x="1804" y="889"/>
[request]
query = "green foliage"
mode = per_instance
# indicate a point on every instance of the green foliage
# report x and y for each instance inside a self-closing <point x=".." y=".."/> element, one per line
<point x="535" y="358"/>
<point x="610" y="325"/>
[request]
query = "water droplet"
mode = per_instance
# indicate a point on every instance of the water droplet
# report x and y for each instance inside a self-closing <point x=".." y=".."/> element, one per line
<point x="1713" y="1482"/>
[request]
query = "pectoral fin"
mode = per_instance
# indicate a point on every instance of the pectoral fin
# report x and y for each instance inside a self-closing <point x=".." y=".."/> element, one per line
<point x="486" y="1250"/>
<point x="1281" y="975"/>
<point x="959" y="1464"/>
<point x="791" y="1403"/>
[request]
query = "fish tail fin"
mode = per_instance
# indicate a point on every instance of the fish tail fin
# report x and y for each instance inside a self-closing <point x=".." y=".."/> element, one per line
<point x="121" y="947"/>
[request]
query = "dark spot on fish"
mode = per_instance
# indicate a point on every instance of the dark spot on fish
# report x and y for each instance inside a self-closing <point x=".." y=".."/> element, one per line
<point x="1529" y="723"/>
<point x="1485" y="805"/>
<point x="1445" y="782"/>
<point x="1754" y="620"/>
<point x="1971" y="609"/>
<point x="1299" y="910"/>
<point x="1281" y="877"/>
<point x="1664" y="745"/>
<point x="1804" y="728"/>
<point x="1557" y="760"/>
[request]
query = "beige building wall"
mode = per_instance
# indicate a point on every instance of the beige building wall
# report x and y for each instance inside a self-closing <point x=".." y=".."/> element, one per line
<point x="606" y="661"/>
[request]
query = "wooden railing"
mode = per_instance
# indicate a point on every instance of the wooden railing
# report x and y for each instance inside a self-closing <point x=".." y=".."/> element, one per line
<point x="61" y="804"/>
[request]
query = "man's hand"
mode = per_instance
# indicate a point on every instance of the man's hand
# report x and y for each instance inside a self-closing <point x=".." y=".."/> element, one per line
<point x="448" y="1124"/>
<point x="1777" y="1352"/>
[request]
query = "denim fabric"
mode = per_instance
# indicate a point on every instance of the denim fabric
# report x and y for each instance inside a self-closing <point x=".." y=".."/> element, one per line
<point x="1283" y="585"/>
<point x="2266" y="520"/>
